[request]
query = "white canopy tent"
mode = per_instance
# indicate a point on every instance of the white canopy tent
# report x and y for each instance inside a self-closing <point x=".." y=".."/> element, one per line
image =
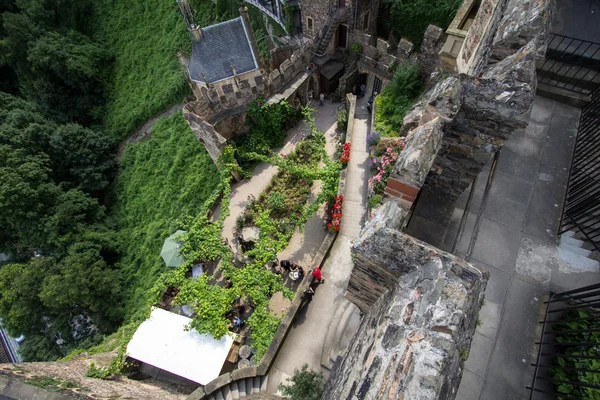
<point x="163" y="342"/>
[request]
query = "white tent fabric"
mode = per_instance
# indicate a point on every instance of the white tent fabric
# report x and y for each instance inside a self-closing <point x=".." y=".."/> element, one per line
<point x="163" y="342"/>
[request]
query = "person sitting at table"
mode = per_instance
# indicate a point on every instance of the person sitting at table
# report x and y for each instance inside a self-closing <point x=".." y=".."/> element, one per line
<point x="301" y="272"/>
<point x="286" y="264"/>
<point x="237" y="322"/>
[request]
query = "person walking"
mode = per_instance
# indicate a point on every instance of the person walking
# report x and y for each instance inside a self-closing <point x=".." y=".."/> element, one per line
<point x="318" y="275"/>
<point x="363" y="89"/>
<point x="322" y="99"/>
<point x="308" y="294"/>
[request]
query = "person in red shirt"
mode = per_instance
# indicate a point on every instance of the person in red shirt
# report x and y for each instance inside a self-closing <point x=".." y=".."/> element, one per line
<point x="318" y="275"/>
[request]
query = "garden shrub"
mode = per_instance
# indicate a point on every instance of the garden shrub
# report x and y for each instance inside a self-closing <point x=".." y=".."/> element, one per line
<point x="397" y="98"/>
<point x="342" y="119"/>
<point x="277" y="201"/>
<point x="375" y="200"/>
<point x="586" y="327"/>
<point x="356" y="48"/>
<point x="386" y="153"/>
<point x="267" y="123"/>
<point x="305" y="384"/>
<point x="373" y="138"/>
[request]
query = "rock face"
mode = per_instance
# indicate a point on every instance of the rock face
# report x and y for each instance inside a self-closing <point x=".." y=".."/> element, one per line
<point x="421" y="310"/>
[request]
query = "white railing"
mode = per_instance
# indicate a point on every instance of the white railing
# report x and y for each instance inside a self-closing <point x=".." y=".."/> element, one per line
<point x="265" y="10"/>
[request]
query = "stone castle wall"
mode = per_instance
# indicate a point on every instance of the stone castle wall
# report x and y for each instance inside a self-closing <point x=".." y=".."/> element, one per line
<point x="479" y="113"/>
<point x="421" y="310"/>
<point x="218" y="111"/>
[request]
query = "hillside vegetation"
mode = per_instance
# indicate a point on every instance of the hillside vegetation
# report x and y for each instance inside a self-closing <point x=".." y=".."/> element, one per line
<point x="144" y="37"/>
<point x="160" y="181"/>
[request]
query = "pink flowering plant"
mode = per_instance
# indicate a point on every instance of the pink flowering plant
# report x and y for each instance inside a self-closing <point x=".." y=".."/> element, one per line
<point x="386" y="153"/>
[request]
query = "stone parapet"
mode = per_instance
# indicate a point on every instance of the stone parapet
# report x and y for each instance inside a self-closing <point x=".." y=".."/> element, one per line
<point x="523" y="21"/>
<point x="421" y="307"/>
<point x="415" y="161"/>
<point x="473" y="55"/>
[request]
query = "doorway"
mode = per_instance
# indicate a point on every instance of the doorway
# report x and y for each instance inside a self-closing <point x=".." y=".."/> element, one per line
<point x="377" y="83"/>
<point x="341" y="3"/>
<point x="342" y="36"/>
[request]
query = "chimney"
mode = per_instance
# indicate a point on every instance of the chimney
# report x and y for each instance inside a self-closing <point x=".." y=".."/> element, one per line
<point x="196" y="32"/>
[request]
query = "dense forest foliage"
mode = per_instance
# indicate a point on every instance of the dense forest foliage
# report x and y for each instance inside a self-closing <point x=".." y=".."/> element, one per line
<point x="410" y="18"/>
<point x="77" y="77"/>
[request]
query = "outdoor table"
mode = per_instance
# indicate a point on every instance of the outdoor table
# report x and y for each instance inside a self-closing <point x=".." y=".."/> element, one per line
<point x="244" y="363"/>
<point x="245" y="352"/>
<point x="294" y="275"/>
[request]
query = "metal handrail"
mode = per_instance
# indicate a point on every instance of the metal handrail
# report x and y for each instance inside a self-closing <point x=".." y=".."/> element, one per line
<point x="580" y="208"/>
<point x="571" y="64"/>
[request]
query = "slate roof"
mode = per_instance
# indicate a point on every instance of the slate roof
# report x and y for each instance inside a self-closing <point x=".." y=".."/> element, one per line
<point x="221" y="45"/>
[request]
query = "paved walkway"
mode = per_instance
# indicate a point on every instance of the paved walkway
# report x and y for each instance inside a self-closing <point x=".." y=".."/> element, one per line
<point x="516" y="243"/>
<point x="310" y="334"/>
<point x="325" y="119"/>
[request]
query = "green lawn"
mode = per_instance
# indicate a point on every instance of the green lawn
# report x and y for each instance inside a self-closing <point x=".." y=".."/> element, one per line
<point x="144" y="36"/>
<point x="160" y="181"/>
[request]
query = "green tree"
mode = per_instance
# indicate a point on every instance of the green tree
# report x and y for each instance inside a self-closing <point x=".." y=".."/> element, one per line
<point x="21" y="308"/>
<point x="83" y="283"/>
<point x="410" y="18"/>
<point x="26" y="197"/>
<point x="66" y="74"/>
<point x="40" y="347"/>
<point x="305" y="384"/>
<point x="82" y="156"/>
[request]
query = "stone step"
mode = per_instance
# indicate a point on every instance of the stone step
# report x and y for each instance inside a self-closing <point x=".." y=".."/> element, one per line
<point x="331" y="332"/>
<point x="569" y="234"/>
<point x="338" y="345"/>
<point x="227" y="392"/>
<point x="571" y="240"/>
<point x="580" y="262"/>
<point x="575" y="249"/>
<point x="256" y="384"/>
<point x="264" y="383"/>
<point x="235" y="393"/>
<point x="219" y="395"/>
<point x="249" y="384"/>
<point x="211" y="397"/>
<point x="241" y="388"/>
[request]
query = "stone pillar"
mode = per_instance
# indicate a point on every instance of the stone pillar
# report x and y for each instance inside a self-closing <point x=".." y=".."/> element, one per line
<point x="429" y="59"/>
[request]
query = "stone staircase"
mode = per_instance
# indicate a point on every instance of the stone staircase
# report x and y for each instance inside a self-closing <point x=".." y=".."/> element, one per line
<point x="342" y="328"/>
<point x="578" y="252"/>
<point x="240" y="389"/>
<point x="328" y="35"/>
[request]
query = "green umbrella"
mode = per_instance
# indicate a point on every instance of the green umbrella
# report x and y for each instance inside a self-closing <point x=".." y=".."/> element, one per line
<point x="170" y="250"/>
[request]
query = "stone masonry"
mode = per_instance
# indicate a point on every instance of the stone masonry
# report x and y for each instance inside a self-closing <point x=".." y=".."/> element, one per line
<point x="421" y="309"/>
<point x="479" y="113"/>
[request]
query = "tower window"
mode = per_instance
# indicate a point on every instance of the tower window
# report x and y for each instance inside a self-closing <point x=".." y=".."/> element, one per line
<point x="366" y="20"/>
<point x="309" y="23"/>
